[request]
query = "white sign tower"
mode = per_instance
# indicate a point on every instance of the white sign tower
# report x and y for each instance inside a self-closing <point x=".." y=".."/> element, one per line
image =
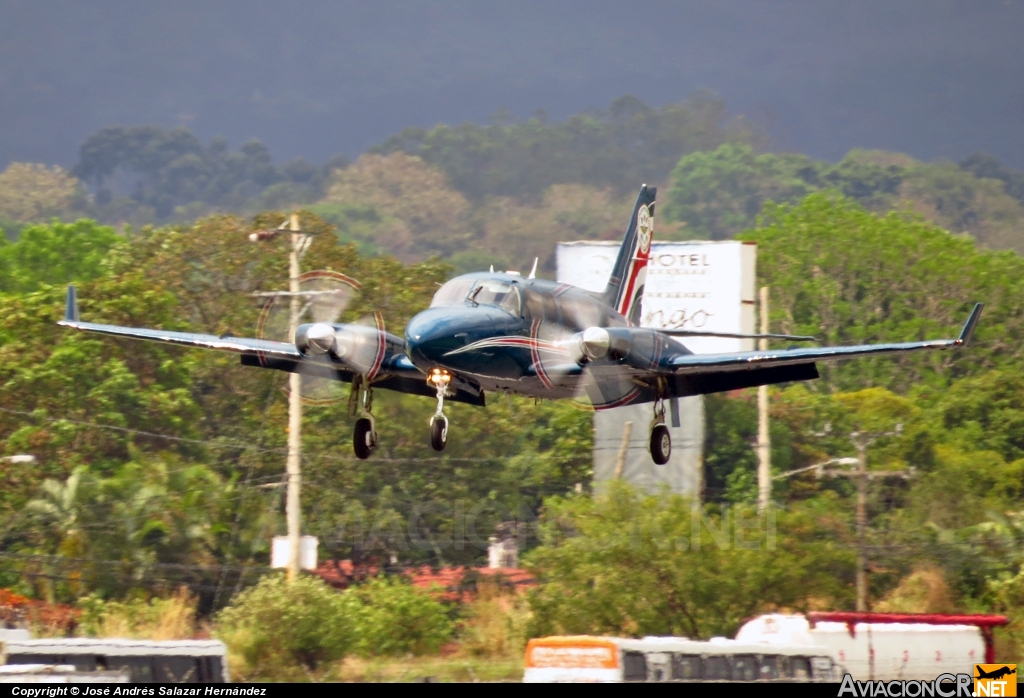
<point x="690" y="285"/>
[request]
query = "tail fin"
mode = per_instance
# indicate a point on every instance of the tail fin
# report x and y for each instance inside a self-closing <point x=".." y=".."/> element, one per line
<point x="625" y="287"/>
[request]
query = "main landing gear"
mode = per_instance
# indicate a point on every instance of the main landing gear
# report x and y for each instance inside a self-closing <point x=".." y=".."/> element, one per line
<point x="439" y="422"/>
<point x="364" y="438"/>
<point x="661" y="440"/>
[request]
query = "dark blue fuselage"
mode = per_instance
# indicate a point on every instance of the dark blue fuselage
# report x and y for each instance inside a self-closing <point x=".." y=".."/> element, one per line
<point x="511" y="336"/>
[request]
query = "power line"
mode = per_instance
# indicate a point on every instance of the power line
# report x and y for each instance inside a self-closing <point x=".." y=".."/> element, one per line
<point x="219" y="443"/>
<point x="128" y="430"/>
<point x="60" y="559"/>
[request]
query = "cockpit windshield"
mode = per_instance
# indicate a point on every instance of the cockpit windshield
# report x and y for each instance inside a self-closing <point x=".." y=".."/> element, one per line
<point x="495" y="292"/>
<point x="452" y="293"/>
<point x="481" y="292"/>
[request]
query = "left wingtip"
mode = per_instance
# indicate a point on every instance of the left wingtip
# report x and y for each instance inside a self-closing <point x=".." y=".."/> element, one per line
<point x="71" y="305"/>
<point x="972" y="322"/>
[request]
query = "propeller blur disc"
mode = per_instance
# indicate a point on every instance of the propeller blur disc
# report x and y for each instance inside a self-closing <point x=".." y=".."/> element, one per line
<point x="323" y="297"/>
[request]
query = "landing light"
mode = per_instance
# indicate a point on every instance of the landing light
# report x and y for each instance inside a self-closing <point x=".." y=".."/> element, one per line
<point x="438" y="376"/>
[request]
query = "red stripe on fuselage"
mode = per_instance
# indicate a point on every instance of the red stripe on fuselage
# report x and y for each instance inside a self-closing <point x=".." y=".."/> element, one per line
<point x="535" y="354"/>
<point x="382" y="344"/>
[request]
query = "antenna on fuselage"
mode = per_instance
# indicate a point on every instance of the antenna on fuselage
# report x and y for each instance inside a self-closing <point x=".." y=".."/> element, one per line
<point x="492" y="268"/>
<point x="533" y="272"/>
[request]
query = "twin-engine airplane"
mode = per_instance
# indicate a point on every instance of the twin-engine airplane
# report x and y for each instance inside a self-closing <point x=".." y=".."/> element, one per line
<point x="500" y="332"/>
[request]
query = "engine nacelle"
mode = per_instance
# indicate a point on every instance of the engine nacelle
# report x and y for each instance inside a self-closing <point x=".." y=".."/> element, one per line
<point x="317" y="338"/>
<point x="596" y="343"/>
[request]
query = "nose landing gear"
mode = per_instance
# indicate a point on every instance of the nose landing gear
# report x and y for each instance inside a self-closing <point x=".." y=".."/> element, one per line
<point x="364" y="437"/>
<point x="661" y="439"/>
<point x="439" y="422"/>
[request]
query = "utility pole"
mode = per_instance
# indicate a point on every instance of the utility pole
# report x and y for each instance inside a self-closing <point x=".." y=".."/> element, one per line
<point x="620" y="462"/>
<point x="293" y="512"/>
<point x="764" y="444"/>
<point x="862" y="477"/>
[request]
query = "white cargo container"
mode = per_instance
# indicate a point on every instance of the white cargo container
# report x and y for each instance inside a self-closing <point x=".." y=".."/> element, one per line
<point x="889" y="646"/>
<point x="57" y="673"/>
<point x="145" y="661"/>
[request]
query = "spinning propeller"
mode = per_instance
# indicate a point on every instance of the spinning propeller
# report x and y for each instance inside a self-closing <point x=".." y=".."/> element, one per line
<point x="597" y="353"/>
<point x="328" y="346"/>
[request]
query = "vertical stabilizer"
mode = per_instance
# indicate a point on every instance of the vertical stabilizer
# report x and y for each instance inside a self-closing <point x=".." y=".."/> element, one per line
<point x="625" y="287"/>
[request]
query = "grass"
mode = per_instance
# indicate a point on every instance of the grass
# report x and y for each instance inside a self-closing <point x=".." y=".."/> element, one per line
<point x="171" y="618"/>
<point x="435" y="668"/>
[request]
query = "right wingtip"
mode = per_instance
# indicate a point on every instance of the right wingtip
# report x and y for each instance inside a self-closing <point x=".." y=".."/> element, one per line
<point x="71" y="305"/>
<point x="972" y="322"/>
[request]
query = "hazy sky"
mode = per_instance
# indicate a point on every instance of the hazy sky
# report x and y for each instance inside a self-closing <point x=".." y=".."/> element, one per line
<point x="933" y="78"/>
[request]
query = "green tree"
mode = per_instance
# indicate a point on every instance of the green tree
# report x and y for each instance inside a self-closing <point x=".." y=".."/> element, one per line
<point x="57" y="253"/>
<point x="848" y="276"/>
<point x="624" y="564"/>
<point x="719" y="193"/>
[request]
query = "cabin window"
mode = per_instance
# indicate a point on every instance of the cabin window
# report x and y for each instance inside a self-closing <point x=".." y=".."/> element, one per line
<point x="499" y="293"/>
<point x="821" y="668"/>
<point x="452" y="293"/>
<point x="744" y="667"/>
<point x="769" y="667"/>
<point x="634" y="666"/>
<point x="799" y="668"/>
<point x="716" y="669"/>
<point x="686" y="666"/>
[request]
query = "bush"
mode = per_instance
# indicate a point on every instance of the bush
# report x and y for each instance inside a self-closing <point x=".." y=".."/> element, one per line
<point x="397" y="618"/>
<point x="274" y="626"/>
<point x="173" y="618"/>
<point x="495" y="622"/>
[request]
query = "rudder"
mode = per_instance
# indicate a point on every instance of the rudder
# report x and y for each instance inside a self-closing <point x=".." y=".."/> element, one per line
<point x="625" y="287"/>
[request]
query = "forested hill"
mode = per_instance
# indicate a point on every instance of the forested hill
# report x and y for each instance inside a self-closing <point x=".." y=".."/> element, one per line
<point x="505" y="192"/>
<point x="620" y="147"/>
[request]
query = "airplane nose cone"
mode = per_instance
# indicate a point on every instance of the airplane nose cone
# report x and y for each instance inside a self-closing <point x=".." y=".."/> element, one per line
<point x="430" y="335"/>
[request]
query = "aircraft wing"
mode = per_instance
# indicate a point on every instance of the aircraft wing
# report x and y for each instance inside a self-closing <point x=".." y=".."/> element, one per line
<point x="751" y="360"/>
<point x="395" y="372"/>
<point x="239" y="345"/>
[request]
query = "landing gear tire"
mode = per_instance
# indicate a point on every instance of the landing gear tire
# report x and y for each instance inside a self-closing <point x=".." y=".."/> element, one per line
<point x="364" y="440"/>
<point x="661" y="444"/>
<point x="438" y="433"/>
